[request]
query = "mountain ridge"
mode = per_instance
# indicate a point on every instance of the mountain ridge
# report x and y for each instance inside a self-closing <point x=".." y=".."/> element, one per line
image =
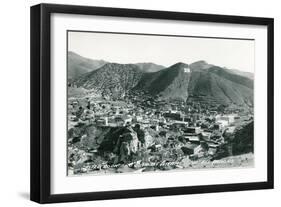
<point x="84" y="65"/>
<point x="198" y="81"/>
<point x="79" y="65"/>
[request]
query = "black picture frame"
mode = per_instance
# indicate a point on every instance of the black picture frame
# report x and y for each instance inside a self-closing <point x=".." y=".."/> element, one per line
<point x="41" y="98"/>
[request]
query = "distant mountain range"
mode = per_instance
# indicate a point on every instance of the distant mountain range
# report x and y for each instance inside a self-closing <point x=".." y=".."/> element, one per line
<point x="242" y="73"/>
<point x="199" y="81"/>
<point x="150" y="67"/>
<point x="78" y="65"/>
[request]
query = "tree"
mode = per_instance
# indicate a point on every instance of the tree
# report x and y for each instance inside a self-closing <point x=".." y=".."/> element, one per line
<point x="243" y="141"/>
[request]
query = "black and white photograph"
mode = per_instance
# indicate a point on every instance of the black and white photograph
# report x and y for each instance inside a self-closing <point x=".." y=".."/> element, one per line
<point x="147" y="103"/>
<point x="140" y="103"/>
<point x="133" y="103"/>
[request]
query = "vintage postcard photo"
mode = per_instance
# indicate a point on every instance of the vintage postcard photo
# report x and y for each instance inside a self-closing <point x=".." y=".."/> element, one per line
<point x="147" y="103"/>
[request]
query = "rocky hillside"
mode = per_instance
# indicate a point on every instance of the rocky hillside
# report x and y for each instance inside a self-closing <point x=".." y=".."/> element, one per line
<point x="112" y="79"/>
<point x="171" y="82"/>
<point x="243" y="139"/>
<point x="198" y="82"/>
<point x="217" y="85"/>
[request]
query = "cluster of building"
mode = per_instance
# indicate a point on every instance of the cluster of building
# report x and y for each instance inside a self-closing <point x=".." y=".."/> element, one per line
<point x="195" y="131"/>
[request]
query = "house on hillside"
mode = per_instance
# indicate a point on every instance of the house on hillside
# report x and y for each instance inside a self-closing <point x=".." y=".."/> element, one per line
<point x="188" y="148"/>
<point x="102" y="121"/>
<point x="179" y="125"/>
<point x="201" y="149"/>
<point x="192" y="130"/>
<point x="194" y="139"/>
<point x="174" y="115"/>
<point x="123" y="120"/>
<point x="205" y="135"/>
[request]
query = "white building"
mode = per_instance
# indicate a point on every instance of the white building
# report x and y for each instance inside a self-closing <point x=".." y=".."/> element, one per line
<point x="187" y="70"/>
<point x="223" y="123"/>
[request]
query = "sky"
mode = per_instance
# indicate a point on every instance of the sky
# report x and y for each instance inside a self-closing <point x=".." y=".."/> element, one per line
<point x="163" y="50"/>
